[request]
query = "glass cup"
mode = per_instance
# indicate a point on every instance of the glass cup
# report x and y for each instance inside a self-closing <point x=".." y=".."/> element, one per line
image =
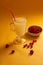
<point x="20" y="27"/>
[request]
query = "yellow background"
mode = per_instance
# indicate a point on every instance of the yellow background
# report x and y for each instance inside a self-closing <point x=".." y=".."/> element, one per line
<point x="24" y="6"/>
<point x="32" y="10"/>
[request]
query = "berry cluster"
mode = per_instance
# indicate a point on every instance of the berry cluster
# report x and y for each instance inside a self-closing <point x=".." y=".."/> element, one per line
<point x="30" y="45"/>
<point x="34" y="29"/>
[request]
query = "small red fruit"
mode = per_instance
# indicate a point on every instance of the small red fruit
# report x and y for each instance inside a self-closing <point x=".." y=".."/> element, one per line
<point x="7" y="45"/>
<point x="31" y="46"/>
<point x="34" y="41"/>
<point x="28" y="46"/>
<point x="31" y="52"/>
<point x="24" y="45"/>
<point x="12" y="51"/>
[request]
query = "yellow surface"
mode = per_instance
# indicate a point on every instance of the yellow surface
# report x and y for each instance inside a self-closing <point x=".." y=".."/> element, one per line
<point x="21" y="56"/>
<point x="33" y="11"/>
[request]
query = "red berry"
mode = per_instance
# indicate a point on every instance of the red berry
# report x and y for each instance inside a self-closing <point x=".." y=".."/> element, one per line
<point x="31" y="46"/>
<point x="7" y="45"/>
<point x="31" y="52"/>
<point x="24" y="45"/>
<point x="12" y="51"/>
<point x="28" y="46"/>
<point x="34" y="41"/>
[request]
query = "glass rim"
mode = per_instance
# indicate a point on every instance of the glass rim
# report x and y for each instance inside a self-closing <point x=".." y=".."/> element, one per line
<point x="23" y="20"/>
